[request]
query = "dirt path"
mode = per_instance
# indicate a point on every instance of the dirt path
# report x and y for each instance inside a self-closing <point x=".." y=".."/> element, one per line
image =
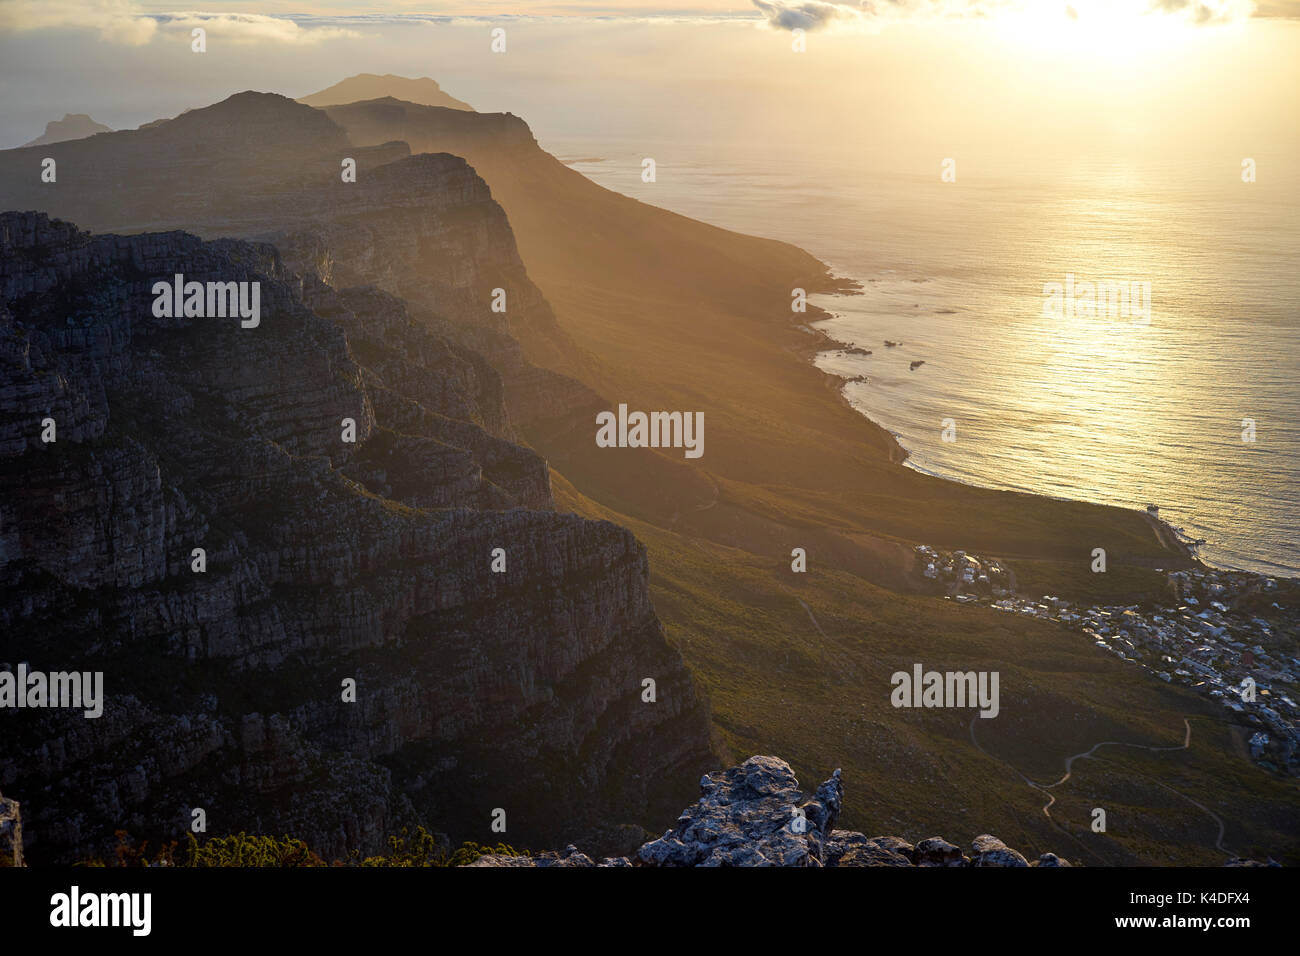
<point x="811" y="618"/>
<point x="1069" y="761"/>
<point x="1087" y="754"/>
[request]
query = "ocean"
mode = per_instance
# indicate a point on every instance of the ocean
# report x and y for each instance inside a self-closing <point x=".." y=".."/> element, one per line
<point x="1192" y="405"/>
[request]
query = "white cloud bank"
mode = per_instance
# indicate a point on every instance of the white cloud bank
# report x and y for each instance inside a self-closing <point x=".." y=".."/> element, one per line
<point x="125" y="22"/>
<point x="818" y="14"/>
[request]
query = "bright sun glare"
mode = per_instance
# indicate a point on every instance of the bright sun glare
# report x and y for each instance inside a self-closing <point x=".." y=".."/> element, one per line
<point x="1098" y="29"/>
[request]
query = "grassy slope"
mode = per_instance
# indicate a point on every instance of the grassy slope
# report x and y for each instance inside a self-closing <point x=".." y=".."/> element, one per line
<point x="667" y="313"/>
<point x="818" y="694"/>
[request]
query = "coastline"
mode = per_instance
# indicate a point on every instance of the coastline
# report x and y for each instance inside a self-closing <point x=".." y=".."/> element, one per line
<point x="1170" y="536"/>
<point x="898" y="453"/>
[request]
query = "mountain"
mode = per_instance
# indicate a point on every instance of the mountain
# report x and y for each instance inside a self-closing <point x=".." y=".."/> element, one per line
<point x="325" y="560"/>
<point x="371" y="86"/>
<point x="72" y="126"/>
<point x="665" y="312"/>
<point x="679" y="310"/>
<point x="261" y="165"/>
<point x="612" y="300"/>
<point x="162" y="174"/>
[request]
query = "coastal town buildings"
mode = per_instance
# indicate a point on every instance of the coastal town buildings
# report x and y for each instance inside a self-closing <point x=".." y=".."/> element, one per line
<point x="1219" y="635"/>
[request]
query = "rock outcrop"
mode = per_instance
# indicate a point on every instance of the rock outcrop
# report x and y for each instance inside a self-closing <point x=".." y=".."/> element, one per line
<point x="757" y="815"/>
<point x="325" y="560"/>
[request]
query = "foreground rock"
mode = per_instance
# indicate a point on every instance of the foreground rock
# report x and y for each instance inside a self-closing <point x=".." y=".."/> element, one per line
<point x="11" y="833"/>
<point x="756" y="815"/>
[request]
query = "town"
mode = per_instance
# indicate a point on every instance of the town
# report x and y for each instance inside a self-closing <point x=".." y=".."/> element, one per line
<point x="1223" y="634"/>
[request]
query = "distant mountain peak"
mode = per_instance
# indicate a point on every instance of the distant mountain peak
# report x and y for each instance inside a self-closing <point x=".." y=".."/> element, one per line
<point x="72" y="126"/>
<point x="422" y="90"/>
<point x="264" y="119"/>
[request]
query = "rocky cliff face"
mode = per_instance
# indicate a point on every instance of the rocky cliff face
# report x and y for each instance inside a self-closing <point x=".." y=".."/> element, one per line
<point x="326" y="560"/>
<point x="757" y="815"/>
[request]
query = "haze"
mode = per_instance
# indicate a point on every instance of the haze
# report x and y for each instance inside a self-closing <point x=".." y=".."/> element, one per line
<point x="890" y="93"/>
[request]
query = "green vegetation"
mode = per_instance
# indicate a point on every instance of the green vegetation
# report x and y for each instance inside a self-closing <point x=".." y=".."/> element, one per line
<point x="406" y="849"/>
<point x="422" y="849"/>
<point x="811" y="684"/>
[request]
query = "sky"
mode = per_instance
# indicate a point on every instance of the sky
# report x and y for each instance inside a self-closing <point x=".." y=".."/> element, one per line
<point x="135" y="22"/>
<point x="1166" y="76"/>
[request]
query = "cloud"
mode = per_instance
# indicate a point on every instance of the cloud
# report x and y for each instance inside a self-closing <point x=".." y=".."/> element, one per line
<point x="117" y="21"/>
<point x="253" y="27"/>
<point x="1282" y="9"/>
<point x="125" y="22"/>
<point x="1205" y="11"/>
<point x="807" y="14"/>
<point x="816" y="14"/>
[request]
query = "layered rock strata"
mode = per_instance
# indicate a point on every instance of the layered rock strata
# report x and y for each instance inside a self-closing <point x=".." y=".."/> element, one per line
<point x="325" y="560"/>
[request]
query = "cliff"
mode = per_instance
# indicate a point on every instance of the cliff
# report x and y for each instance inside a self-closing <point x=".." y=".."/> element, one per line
<point x="325" y="560"/>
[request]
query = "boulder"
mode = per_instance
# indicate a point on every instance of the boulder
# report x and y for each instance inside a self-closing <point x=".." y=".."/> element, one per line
<point x="936" y="851"/>
<point x="990" y="851"/>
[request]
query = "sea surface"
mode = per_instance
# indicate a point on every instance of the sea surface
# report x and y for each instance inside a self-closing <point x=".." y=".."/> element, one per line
<point x="1127" y="409"/>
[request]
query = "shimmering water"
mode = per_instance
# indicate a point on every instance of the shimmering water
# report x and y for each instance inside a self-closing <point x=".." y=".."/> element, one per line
<point x="1109" y="409"/>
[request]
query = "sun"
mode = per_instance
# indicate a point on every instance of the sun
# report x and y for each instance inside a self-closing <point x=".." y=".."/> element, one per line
<point x="1108" y="31"/>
